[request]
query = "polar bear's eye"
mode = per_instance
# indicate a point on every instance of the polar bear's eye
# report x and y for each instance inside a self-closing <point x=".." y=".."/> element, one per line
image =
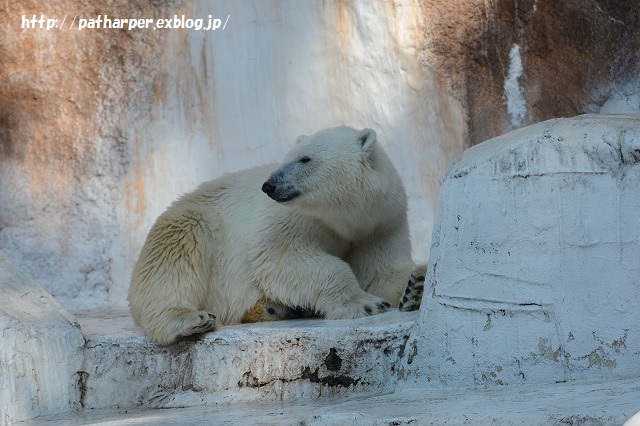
<point x="305" y="159"/>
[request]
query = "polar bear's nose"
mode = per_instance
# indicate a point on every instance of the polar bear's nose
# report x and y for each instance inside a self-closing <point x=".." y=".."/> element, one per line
<point x="268" y="188"/>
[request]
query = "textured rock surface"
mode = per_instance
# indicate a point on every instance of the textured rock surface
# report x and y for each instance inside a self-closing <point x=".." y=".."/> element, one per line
<point x="40" y="350"/>
<point x="101" y="129"/>
<point x="519" y="63"/>
<point x="535" y="261"/>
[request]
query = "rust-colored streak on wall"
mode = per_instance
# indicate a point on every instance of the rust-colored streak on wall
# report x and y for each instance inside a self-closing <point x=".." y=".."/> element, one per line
<point x="208" y="98"/>
<point x="344" y="15"/>
<point x="68" y="100"/>
<point x="47" y="102"/>
<point x="36" y="109"/>
<point x="191" y="79"/>
<point x="135" y="186"/>
<point x="572" y="52"/>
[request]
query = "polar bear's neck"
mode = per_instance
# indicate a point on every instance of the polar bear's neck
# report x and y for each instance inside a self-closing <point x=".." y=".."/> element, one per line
<point x="347" y="227"/>
<point x="373" y="216"/>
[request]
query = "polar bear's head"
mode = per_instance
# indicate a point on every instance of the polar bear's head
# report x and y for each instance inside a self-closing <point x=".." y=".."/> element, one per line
<point x="327" y="168"/>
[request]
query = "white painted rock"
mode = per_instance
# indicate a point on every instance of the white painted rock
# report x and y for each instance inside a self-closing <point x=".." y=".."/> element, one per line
<point x="535" y="263"/>
<point x="250" y="363"/>
<point x="41" y="350"/>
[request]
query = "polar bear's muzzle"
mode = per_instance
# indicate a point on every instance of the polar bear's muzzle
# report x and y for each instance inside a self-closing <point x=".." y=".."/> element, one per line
<point x="278" y="190"/>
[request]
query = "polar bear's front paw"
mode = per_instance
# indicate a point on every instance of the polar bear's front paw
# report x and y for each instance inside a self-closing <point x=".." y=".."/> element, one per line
<point x="197" y="323"/>
<point x="378" y="308"/>
<point x="361" y="307"/>
<point x="412" y="298"/>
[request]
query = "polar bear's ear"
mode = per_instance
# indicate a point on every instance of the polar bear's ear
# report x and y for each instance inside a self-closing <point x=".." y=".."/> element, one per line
<point x="367" y="139"/>
<point x="301" y="138"/>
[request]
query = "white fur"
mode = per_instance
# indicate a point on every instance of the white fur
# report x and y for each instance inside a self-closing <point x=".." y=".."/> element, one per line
<point x="338" y="241"/>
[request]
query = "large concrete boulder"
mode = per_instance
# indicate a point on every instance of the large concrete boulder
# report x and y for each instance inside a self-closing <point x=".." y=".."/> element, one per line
<point x="535" y="264"/>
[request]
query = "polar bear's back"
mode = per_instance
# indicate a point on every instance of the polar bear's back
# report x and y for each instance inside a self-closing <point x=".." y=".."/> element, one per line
<point x="236" y="197"/>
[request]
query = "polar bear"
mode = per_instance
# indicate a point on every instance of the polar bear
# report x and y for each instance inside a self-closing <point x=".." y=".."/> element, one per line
<point x="330" y="236"/>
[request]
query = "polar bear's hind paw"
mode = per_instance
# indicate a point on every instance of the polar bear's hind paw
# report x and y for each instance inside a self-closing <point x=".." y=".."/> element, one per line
<point x="412" y="298"/>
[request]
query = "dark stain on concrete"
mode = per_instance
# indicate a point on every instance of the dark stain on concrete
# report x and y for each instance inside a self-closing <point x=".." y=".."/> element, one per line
<point x="333" y="362"/>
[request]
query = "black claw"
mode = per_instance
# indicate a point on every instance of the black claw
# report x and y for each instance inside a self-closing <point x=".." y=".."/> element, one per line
<point x="368" y="309"/>
<point x="382" y="306"/>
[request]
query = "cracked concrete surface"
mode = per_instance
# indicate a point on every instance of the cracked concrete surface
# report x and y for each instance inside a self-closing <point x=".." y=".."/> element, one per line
<point x="302" y="359"/>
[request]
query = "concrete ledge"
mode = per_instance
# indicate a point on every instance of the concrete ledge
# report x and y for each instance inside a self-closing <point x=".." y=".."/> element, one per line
<point x="281" y="361"/>
<point x="593" y="404"/>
